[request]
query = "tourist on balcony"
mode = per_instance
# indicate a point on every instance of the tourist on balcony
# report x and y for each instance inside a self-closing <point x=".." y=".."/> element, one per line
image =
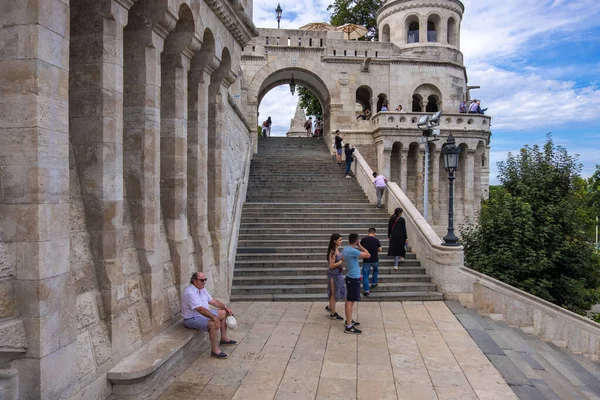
<point x="398" y="238"/>
<point x="336" y="288"/>
<point x="373" y="246"/>
<point x="349" y="152"/>
<point x="384" y="107"/>
<point x="338" y="147"/>
<point x="197" y="315"/>
<point x="308" y="127"/>
<point x="462" y="108"/>
<point x="399" y="108"/>
<point x="350" y="256"/>
<point x="475" y="107"/>
<point x="380" y="183"/>
<point x="269" y="123"/>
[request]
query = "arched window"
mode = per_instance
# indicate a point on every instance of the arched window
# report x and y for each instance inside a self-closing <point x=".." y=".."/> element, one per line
<point x="412" y="29"/>
<point x="382" y="100"/>
<point x="385" y="33"/>
<point x="432" y="104"/>
<point x="433" y="27"/>
<point x="452" y="32"/>
<point x="417" y="103"/>
<point x="363" y="97"/>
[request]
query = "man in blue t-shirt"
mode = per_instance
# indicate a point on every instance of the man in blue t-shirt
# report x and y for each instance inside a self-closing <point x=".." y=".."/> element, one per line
<point x="350" y="256"/>
<point x="373" y="246"/>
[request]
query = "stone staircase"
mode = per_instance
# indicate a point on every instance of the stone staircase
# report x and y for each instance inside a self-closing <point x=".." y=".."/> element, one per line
<point x="297" y="197"/>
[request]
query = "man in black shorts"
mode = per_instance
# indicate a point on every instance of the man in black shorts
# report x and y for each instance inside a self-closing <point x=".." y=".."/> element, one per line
<point x="350" y="256"/>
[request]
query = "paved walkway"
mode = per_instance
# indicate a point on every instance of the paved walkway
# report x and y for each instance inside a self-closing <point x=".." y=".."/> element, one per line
<point x="534" y="369"/>
<point x="292" y="351"/>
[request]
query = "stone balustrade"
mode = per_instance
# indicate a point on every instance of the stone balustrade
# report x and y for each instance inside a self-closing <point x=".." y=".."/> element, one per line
<point x="450" y="122"/>
<point x="487" y="295"/>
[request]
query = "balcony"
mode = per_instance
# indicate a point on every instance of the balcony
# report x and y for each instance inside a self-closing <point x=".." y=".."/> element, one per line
<point x="390" y="120"/>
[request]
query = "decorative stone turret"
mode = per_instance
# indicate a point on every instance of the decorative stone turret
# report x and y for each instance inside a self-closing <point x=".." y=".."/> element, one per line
<point x="297" y="123"/>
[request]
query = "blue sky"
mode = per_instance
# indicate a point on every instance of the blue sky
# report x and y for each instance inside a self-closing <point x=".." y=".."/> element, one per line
<point x="537" y="62"/>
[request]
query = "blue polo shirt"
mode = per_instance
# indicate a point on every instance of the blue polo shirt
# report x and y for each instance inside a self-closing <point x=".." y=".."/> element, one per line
<point x="350" y="256"/>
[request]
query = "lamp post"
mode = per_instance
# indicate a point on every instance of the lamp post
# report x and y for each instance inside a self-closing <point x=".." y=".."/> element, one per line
<point x="451" y="152"/>
<point x="278" y="11"/>
<point x="293" y="85"/>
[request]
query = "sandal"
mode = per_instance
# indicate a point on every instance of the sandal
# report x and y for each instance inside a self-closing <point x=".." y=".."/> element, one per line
<point x="220" y="355"/>
<point x="227" y="342"/>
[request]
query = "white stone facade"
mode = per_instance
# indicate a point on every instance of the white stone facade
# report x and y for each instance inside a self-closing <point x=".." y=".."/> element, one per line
<point x="123" y="167"/>
<point x="425" y="76"/>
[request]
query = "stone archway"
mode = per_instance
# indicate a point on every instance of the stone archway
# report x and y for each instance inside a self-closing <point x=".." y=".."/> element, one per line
<point x="280" y="73"/>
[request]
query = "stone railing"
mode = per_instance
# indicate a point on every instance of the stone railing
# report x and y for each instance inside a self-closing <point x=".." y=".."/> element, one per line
<point x="450" y="122"/>
<point x="443" y="264"/>
<point x="534" y="315"/>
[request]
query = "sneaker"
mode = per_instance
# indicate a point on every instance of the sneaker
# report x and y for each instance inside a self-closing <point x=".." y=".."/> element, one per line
<point x="327" y="308"/>
<point x="353" y="330"/>
<point x="336" y="316"/>
<point x="374" y="285"/>
<point x="355" y="323"/>
<point x="348" y="176"/>
<point x="395" y="267"/>
<point x="366" y="294"/>
<point x="401" y="258"/>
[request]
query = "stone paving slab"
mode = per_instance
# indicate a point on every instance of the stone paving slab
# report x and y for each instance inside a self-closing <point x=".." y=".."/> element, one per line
<point x="288" y="351"/>
<point x="533" y="368"/>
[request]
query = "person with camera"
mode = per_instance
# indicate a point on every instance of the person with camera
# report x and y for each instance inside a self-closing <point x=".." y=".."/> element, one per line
<point x="195" y="300"/>
<point x="348" y="151"/>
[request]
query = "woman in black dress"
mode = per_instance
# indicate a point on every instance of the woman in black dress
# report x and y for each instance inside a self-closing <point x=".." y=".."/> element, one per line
<point x="397" y="236"/>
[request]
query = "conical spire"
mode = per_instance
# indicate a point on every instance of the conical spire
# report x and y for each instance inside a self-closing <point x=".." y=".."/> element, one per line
<point x="297" y="123"/>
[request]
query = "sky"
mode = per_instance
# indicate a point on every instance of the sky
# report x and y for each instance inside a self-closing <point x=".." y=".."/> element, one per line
<point x="537" y="62"/>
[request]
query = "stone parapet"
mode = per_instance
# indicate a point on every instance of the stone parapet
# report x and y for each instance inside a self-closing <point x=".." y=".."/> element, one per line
<point x="460" y="124"/>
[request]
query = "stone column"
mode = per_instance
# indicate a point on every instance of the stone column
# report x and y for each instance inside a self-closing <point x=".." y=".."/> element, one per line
<point x="419" y="179"/>
<point x="218" y="216"/>
<point x="423" y="29"/>
<point x="469" y="184"/>
<point x="173" y="161"/>
<point x="385" y="163"/>
<point x="34" y="197"/>
<point x="141" y="147"/>
<point x="199" y="80"/>
<point x="443" y="31"/>
<point x="96" y="133"/>
<point x="403" y="168"/>
<point x="434" y="175"/>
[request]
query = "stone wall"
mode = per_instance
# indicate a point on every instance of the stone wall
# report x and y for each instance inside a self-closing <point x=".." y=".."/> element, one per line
<point x="123" y="167"/>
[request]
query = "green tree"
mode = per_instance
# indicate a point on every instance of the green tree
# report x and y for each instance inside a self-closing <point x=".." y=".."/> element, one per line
<point x="309" y="102"/>
<point x="360" y="12"/>
<point x="531" y="234"/>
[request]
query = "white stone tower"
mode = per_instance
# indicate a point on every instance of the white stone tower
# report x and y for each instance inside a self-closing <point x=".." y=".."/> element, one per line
<point x="426" y="26"/>
<point x="297" y="123"/>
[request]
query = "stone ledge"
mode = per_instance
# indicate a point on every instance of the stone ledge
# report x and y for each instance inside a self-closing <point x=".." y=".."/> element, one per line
<point x="141" y="370"/>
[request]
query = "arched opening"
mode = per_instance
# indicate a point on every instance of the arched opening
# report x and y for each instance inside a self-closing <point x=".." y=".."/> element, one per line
<point x="411" y="26"/>
<point x="433" y="96"/>
<point x="275" y="86"/>
<point x="396" y="163"/>
<point x="414" y="175"/>
<point x="417" y="103"/>
<point x="363" y="98"/>
<point x="452" y="32"/>
<point x="382" y="103"/>
<point x="432" y="104"/>
<point x="433" y="27"/>
<point x="385" y="33"/>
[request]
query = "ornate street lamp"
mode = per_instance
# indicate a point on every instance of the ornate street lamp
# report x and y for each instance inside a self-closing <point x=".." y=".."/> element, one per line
<point x="293" y="85"/>
<point x="451" y="152"/>
<point x="278" y="11"/>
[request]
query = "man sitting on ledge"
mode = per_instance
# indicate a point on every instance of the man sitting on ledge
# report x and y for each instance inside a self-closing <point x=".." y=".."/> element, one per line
<point x="196" y="314"/>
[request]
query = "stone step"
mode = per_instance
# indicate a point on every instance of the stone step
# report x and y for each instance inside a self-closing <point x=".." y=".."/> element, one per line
<point x="383" y="258"/>
<point x="302" y="224"/>
<point x="309" y="219"/>
<point x="360" y="209"/>
<point x="274" y="245"/>
<point x="299" y="230"/>
<point x="322" y="287"/>
<point x="304" y="271"/>
<point x="265" y="263"/>
<point x="319" y="248"/>
<point x="289" y="206"/>
<point x="321" y="237"/>
<point x="375" y="296"/>
<point x="384" y="279"/>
